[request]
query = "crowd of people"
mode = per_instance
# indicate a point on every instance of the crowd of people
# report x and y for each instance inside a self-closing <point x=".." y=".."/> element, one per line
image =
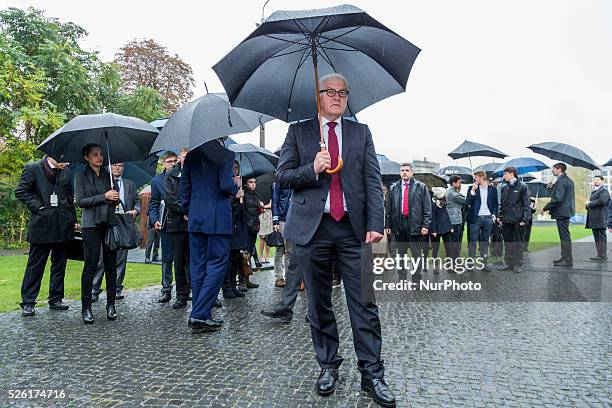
<point x="208" y="218"/>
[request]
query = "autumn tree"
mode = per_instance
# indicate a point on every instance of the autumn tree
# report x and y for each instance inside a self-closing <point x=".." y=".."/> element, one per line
<point x="147" y="63"/>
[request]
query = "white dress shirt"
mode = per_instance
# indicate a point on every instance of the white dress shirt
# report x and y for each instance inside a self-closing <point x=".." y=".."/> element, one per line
<point x="338" y="130"/>
<point x="484" y="206"/>
<point x="119" y="181"/>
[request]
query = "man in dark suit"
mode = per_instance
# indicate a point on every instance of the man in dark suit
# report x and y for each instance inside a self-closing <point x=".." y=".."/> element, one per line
<point x="482" y="212"/>
<point x="46" y="189"/>
<point x="332" y="215"/>
<point x="157" y="216"/>
<point x="408" y="216"/>
<point x="597" y="211"/>
<point x="205" y="190"/>
<point x="562" y="206"/>
<point x="130" y="204"/>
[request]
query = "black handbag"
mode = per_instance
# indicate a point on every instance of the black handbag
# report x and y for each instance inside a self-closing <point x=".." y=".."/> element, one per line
<point x="124" y="235"/>
<point x="74" y="248"/>
<point x="275" y="239"/>
<point x="252" y="225"/>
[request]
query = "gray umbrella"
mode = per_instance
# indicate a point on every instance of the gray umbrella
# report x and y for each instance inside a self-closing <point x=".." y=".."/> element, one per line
<point x="389" y="170"/>
<point x="473" y="149"/>
<point x="608" y="163"/>
<point x="205" y="119"/>
<point x="565" y="153"/>
<point x="254" y="160"/>
<point x="464" y="172"/>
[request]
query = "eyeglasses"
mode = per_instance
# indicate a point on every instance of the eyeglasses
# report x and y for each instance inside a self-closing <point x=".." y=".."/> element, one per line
<point x="343" y="93"/>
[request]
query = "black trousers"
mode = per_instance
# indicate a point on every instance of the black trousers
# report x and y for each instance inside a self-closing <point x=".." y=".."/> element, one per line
<point x="233" y="270"/>
<point x="35" y="268"/>
<point x="435" y="244"/>
<point x="456" y="239"/>
<point x="418" y="245"/>
<point x="314" y="262"/>
<point x="527" y="235"/>
<point x="601" y="241"/>
<point x="566" y="239"/>
<point x="152" y="243"/>
<point x="497" y="240"/>
<point x="92" y="239"/>
<point x="180" y="254"/>
<point x="513" y="242"/>
<point x="253" y="247"/>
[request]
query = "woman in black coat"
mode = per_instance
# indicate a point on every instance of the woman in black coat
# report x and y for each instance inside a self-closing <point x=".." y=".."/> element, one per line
<point x="253" y="208"/>
<point x="94" y="194"/>
<point x="440" y="222"/>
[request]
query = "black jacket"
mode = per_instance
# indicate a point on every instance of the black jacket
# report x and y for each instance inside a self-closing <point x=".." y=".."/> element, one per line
<point x="47" y="225"/>
<point x="240" y="237"/>
<point x="89" y="193"/>
<point x="419" y="202"/>
<point x="175" y="221"/>
<point x="251" y="203"/>
<point x="515" y="206"/>
<point x="440" y="220"/>
<point x="563" y="201"/>
<point x="597" y="209"/>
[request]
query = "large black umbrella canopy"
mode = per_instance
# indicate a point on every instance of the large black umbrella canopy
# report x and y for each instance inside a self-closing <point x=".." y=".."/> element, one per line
<point x="389" y="170"/>
<point x="123" y="138"/>
<point x="538" y="189"/>
<point x="273" y="69"/>
<point x="473" y="149"/>
<point x="431" y="180"/>
<point x="204" y="119"/>
<point x="159" y="123"/>
<point x="464" y="172"/>
<point x="254" y="160"/>
<point x="608" y="163"/>
<point x="565" y="153"/>
<point x="140" y="172"/>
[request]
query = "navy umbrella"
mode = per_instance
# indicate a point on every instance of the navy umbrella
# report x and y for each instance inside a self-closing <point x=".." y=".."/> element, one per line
<point x="275" y="70"/>
<point x="472" y="149"/>
<point x="464" y="172"/>
<point x="523" y="165"/>
<point x="608" y="163"/>
<point x="204" y="119"/>
<point x="565" y="153"/>
<point x="254" y="160"/>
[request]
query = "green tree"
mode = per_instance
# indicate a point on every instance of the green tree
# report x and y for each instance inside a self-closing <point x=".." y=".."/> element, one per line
<point x="144" y="103"/>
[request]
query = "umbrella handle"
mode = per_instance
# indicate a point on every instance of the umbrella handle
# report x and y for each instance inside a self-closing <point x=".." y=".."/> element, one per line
<point x="338" y="167"/>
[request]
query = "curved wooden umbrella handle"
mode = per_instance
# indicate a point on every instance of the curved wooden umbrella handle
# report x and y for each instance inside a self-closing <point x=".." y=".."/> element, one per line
<point x="338" y="167"/>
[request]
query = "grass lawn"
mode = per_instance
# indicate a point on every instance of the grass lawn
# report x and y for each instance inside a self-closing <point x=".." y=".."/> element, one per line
<point x="140" y="275"/>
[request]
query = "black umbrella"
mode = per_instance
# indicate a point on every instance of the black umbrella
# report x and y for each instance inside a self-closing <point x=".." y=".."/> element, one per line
<point x="565" y="153"/>
<point x="254" y="160"/>
<point x="431" y="180"/>
<point x="488" y="168"/>
<point x="263" y="187"/>
<point x="472" y="149"/>
<point x="608" y="163"/>
<point x="205" y="119"/>
<point x="538" y="189"/>
<point x="159" y="123"/>
<point x="140" y="172"/>
<point x="464" y="172"/>
<point x="389" y="170"/>
<point x="275" y="70"/>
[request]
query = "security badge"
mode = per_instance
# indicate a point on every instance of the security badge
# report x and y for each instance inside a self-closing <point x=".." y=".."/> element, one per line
<point x="53" y="200"/>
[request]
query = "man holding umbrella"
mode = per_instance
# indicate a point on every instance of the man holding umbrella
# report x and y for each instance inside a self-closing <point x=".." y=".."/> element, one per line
<point x="562" y="207"/>
<point x="332" y="215"/>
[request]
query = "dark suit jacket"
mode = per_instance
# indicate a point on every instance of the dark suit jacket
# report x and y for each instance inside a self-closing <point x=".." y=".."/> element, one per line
<point x="473" y="202"/>
<point x="132" y="200"/>
<point x="206" y="188"/>
<point x="47" y="224"/>
<point x="563" y="200"/>
<point x="361" y="180"/>
<point x="419" y="205"/>
<point x="597" y="209"/>
<point x="157" y="195"/>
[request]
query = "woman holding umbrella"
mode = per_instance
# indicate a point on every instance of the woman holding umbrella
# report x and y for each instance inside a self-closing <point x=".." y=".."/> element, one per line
<point x="95" y="195"/>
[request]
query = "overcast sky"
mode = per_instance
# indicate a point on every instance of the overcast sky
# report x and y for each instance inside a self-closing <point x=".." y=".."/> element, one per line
<point x="506" y="73"/>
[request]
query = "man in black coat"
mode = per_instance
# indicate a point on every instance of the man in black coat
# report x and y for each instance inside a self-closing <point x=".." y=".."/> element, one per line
<point x="130" y="204"/>
<point x="408" y="216"/>
<point x="562" y="207"/>
<point x="333" y="215"/>
<point x="597" y="214"/>
<point x="45" y="188"/>
<point x="514" y="213"/>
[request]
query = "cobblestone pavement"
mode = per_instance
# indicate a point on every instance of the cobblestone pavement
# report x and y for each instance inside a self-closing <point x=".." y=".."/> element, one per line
<point x="451" y="354"/>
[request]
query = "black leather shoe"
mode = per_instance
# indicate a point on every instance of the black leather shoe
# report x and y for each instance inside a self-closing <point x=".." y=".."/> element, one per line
<point x="258" y="264"/>
<point x="203" y="325"/>
<point x="326" y="383"/>
<point x="597" y="258"/>
<point x="284" y="317"/>
<point x="565" y="264"/>
<point x="229" y="294"/>
<point x="165" y="297"/>
<point x="111" y="313"/>
<point x="95" y="297"/>
<point x="237" y="292"/>
<point x="558" y="261"/>
<point x="217" y="303"/>
<point x="179" y="304"/>
<point x="381" y="394"/>
<point x="119" y="295"/>
<point x="88" y="317"/>
<point x="28" y="310"/>
<point x="57" y="305"/>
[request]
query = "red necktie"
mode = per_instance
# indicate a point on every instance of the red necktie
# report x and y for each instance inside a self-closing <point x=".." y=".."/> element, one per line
<point x="406" y="191"/>
<point x="336" y="202"/>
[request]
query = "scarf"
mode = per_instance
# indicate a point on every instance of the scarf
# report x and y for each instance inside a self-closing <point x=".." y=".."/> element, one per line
<point x="439" y="202"/>
<point x="50" y="174"/>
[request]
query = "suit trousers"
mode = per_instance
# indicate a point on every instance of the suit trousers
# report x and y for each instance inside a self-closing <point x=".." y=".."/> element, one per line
<point x="601" y="241"/>
<point x="35" y="268"/>
<point x="513" y="241"/>
<point x="208" y="261"/>
<point x="121" y="265"/>
<point x="167" y="258"/>
<point x="497" y="240"/>
<point x="93" y="238"/>
<point x="152" y="244"/>
<point x="566" y="239"/>
<point x="456" y="239"/>
<point x="293" y="279"/>
<point x="180" y="247"/>
<point x="479" y="232"/>
<point x="282" y="256"/>
<point x="416" y="244"/>
<point x="338" y="238"/>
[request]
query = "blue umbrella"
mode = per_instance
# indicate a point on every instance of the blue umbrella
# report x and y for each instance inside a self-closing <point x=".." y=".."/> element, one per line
<point x="565" y="153"/>
<point x="523" y="165"/>
<point x="254" y="160"/>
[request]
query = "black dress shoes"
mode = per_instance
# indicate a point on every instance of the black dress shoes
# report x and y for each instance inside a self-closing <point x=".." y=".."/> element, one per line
<point x="598" y="258"/>
<point x="88" y="317"/>
<point x="179" y="304"/>
<point x="119" y="295"/>
<point x="381" y="394"/>
<point x="165" y="297"/>
<point x="228" y="294"/>
<point x="237" y="292"/>
<point x="326" y="383"/>
<point x="28" y="310"/>
<point x="284" y="317"/>
<point x="95" y="297"/>
<point x="217" y="303"/>
<point x="198" y="325"/>
<point x="111" y="313"/>
<point x="564" y="264"/>
<point x="57" y="305"/>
